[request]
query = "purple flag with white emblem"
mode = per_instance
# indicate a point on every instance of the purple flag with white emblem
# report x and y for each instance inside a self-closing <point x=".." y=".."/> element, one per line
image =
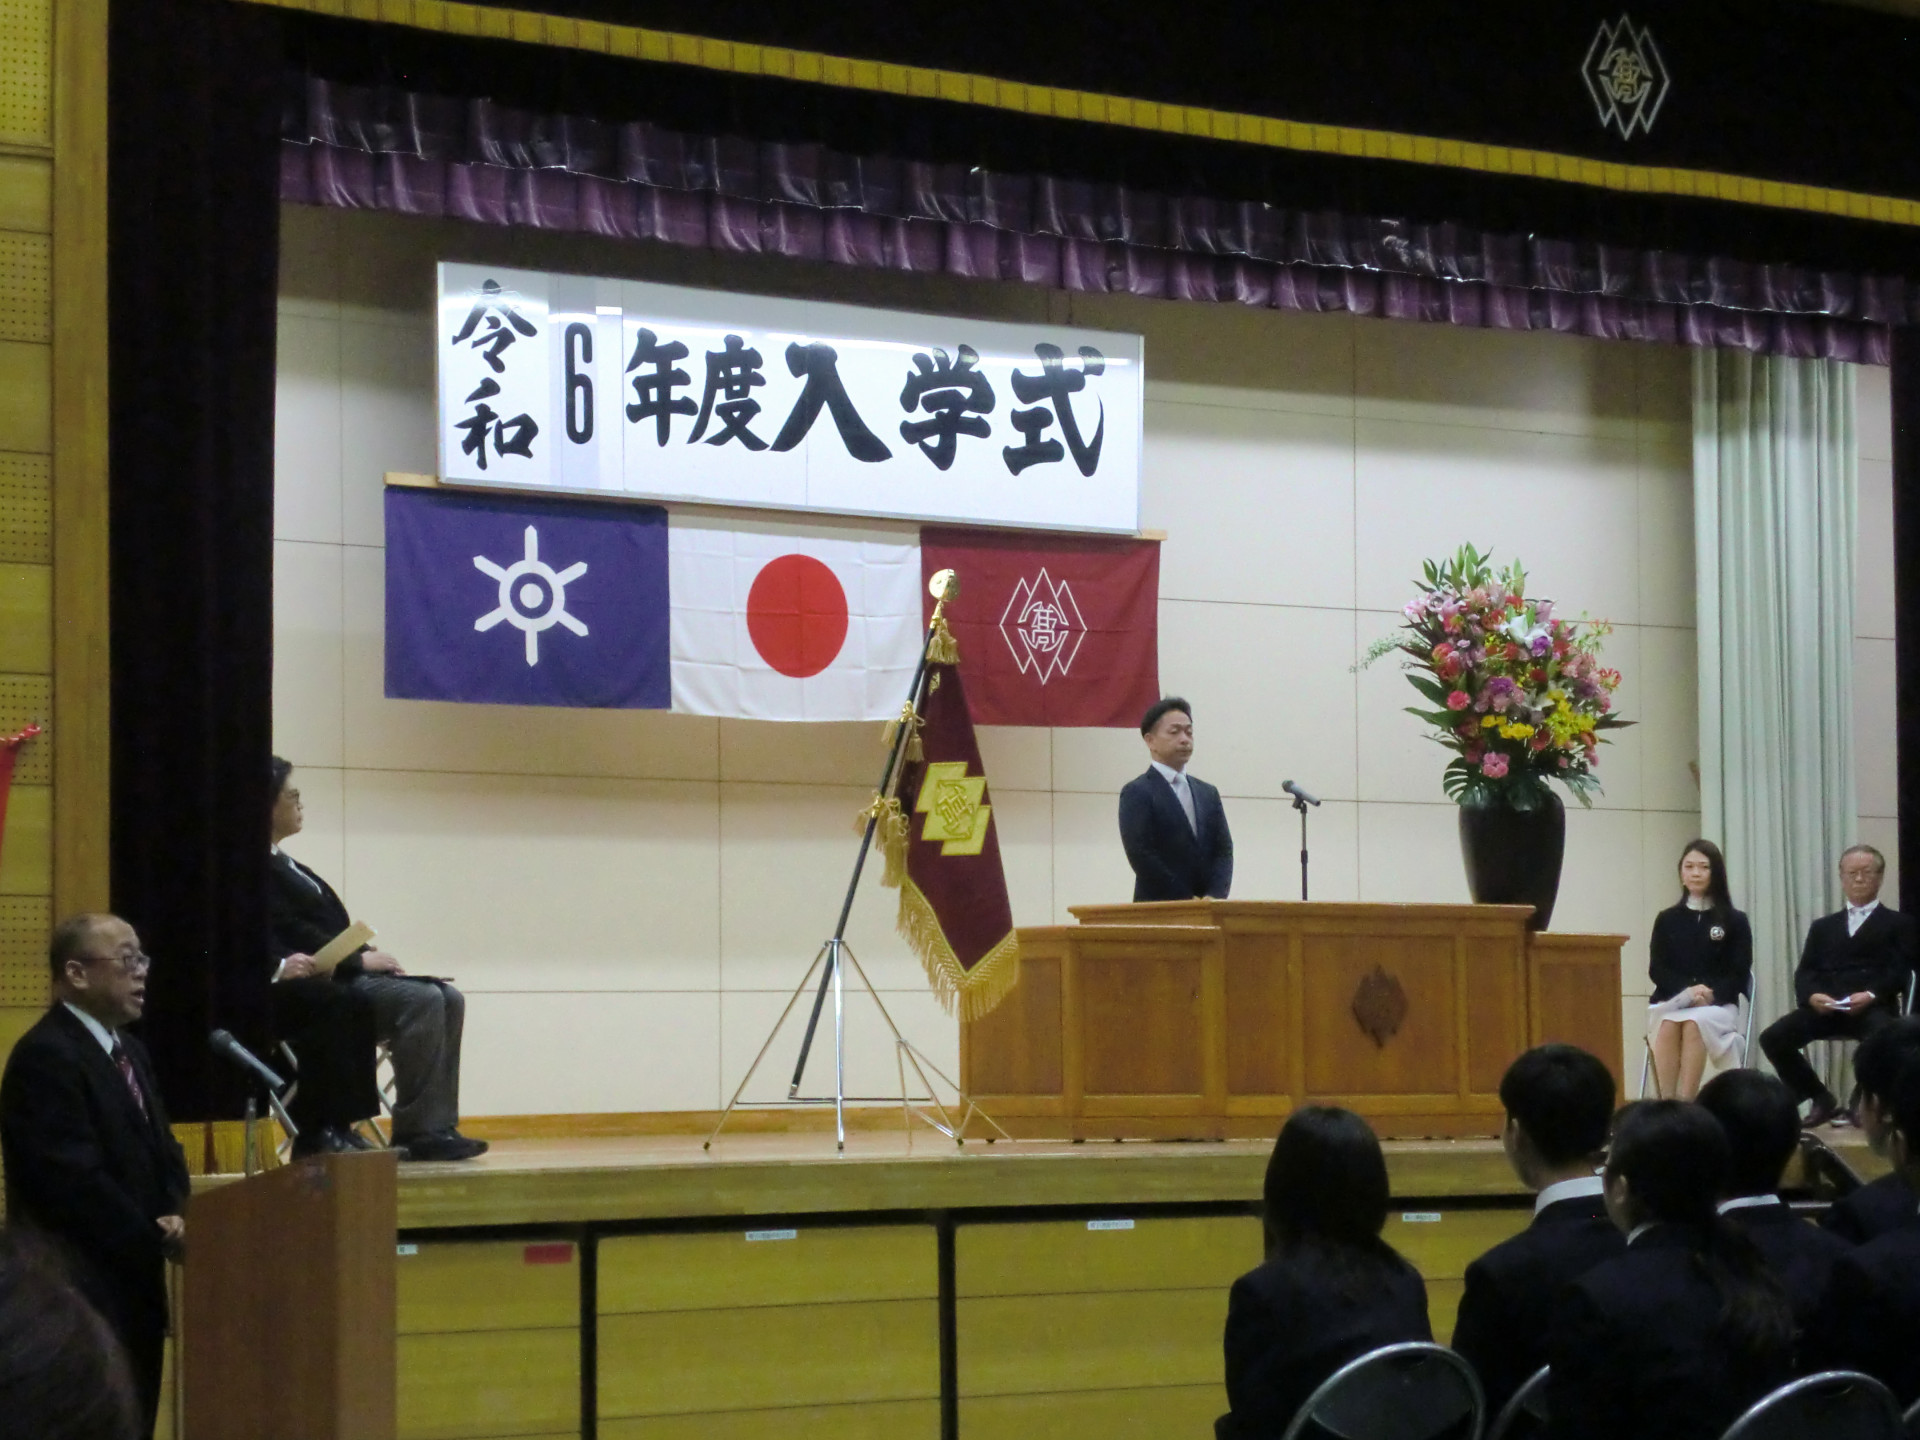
<point x="511" y="601"/>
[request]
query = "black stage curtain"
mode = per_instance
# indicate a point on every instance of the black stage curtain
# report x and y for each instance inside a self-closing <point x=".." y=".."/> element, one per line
<point x="1905" y="385"/>
<point x="194" y="117"/>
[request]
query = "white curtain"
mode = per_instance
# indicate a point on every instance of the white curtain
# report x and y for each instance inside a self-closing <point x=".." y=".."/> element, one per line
<point x="1774" y="481"/>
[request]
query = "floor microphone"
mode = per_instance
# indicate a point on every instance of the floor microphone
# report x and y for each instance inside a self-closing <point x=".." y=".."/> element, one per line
<point x="224" y="1044"/>
<point x="1297" y="793"/>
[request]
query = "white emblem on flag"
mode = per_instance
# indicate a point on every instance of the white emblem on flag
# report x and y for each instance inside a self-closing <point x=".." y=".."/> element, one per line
<point x="1042" y="626"/>
<point x="532" y="596"/>
<point x="1626" y="77"/>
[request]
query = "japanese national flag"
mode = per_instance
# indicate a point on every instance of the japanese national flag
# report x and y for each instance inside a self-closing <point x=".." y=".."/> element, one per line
<point x="777" y="622"/>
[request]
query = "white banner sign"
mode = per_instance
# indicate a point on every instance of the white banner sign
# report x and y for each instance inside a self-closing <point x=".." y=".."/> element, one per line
<point x="568" y="383"/>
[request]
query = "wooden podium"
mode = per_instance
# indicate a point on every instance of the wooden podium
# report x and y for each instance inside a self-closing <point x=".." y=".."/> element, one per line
<point x="289" y="1324"/>
<point x="1210" y="1019"/>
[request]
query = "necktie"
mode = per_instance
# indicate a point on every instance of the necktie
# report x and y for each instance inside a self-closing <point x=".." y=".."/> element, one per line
<point x="1185" y="797"/>
<point x="125" y="1067"/>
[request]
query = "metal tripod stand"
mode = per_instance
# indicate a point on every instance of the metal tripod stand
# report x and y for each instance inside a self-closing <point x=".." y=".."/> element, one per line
<point x="835" y="954"/>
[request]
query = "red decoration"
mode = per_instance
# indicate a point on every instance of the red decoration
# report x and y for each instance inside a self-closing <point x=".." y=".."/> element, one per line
<point x="9" y="748"/>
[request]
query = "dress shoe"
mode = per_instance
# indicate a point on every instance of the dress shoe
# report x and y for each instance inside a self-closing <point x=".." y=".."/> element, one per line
<point x="1821" y="1113"/>
<point x="356" y="1141"/>
<point x="320" y="1140"/>
<point x="442" y="1145"/>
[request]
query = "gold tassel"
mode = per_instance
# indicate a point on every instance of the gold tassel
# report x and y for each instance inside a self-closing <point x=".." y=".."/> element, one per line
<point x="890" y="832"/>
<point x="942" y="648"/>
<point x="910" y="718"/>
<point x="973" y="992"/>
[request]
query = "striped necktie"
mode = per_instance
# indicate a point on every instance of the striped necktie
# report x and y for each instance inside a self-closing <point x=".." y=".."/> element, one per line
<point x="125" y="1066"/>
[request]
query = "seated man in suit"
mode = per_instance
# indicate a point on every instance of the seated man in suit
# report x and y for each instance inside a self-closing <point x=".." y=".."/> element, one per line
<point x="1871" y="1312"/>
<point x="1856" y="964"/>
<point x="1763" y="1130"/>
<point x="421" y="1019"/>
<point x="91" y="1162"/>
<point x="1172" y="825"/>
<point x="1559" y="1102"/>
<point x="1888" y="1203"/>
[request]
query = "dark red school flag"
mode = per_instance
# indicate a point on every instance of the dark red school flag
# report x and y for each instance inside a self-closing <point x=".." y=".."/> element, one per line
<point x="1056" y="629"/>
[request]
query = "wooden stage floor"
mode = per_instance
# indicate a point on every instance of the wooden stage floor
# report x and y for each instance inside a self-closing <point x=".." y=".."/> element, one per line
<point x="600" y="1180"/>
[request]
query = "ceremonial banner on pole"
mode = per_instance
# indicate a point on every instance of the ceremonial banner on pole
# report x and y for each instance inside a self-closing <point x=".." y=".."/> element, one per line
<point x="954" y="910"/>
<point x="779" y="622"/>
<point x="1057" y="629"/>
<point x="526" y="602"/>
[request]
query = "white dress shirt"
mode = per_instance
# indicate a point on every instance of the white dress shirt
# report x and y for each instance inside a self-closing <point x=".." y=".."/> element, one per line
<point x="1749" y="1202"/>
<point x="1857" y="915"/>
<point x="1182" y="791"/>
<point x="94" y="1027"/>
<point x="1577" y="1189"/>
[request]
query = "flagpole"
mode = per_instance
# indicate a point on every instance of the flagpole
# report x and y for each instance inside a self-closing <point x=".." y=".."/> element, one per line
<point x="945" y="586"/>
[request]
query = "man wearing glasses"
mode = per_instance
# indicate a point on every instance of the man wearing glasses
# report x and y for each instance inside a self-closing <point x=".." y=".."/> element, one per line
<point x="90" y="1161"/>
<point x="1857" y="964"/>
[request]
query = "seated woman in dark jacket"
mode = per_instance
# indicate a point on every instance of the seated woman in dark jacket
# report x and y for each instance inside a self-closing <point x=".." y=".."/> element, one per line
<point x="1675" y="1338"/>
<point x="1331" y="1289"/>
<point x="1700" y="962"/>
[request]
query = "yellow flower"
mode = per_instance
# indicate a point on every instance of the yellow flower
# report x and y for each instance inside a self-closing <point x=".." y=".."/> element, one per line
<point x="1489" y="722"/>
<point x="1516" y="732"/>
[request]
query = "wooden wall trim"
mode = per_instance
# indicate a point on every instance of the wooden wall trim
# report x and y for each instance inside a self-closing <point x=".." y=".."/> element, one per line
<point x="81" y="678"/>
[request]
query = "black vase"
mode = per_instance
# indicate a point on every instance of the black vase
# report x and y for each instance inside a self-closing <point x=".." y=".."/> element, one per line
<point x="1513" y="856"/>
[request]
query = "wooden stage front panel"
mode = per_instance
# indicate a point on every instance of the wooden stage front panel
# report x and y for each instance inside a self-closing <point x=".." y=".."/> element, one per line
<point x="1211" y="1019"/>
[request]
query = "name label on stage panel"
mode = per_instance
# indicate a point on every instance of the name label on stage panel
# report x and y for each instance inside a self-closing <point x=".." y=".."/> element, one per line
<point x="773" y="1234"/>
<point x="1109" y="1224"/>
<point x="1420" y="1217"/>
<point x="406" y="1250"/>
<point x="599" y="386"/>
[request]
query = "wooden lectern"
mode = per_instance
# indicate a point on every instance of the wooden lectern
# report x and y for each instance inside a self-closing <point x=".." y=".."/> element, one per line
<point x="289" y="1325"/>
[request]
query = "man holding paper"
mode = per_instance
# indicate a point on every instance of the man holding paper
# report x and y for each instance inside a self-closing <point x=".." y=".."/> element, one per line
<point x="1857" y="964"/>
<point x="420" y="1018"/>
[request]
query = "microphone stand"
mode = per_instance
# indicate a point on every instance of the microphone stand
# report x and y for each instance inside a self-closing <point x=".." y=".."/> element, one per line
<point x="252" y="1161"/>
<point x="1301" y="806"/>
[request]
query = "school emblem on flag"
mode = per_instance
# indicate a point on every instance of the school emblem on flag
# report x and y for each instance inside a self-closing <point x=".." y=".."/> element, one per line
<point x="1042" y="626"/>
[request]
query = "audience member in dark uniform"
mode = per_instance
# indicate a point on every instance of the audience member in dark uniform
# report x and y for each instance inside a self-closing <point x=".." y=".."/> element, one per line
<point x="1762" y="1126"/>
<point x="1856" y="964"/>
<point x="1173" y="827"/>
<point x="1331" y="1289"/>
<point x="62" y="1374"/>
<point x="1675" y="1338"/>
<point x="1700" y="961"/>
<point x="1870" y="1317"/>
<point x="91" y="1163"/>
<point x="1888" y="1203"/>
<point x="1559" y="1101"/>
<point x="422" y="1019"/>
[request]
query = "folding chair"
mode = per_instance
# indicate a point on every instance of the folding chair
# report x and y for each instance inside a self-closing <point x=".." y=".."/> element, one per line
<point x="1833" y="1405"/>
<point x="1745" y="1002"/>
<point x="1413" y="1391"/>
<point x="1836" y="1056"/>
<point x="1524" y="1417"/>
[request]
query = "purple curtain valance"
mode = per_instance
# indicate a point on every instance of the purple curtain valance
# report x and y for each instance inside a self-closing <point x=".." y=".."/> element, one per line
<point x="391" y="149"/>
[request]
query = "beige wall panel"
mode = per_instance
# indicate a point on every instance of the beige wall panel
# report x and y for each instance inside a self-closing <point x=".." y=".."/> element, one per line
<point x="1257" y="505"/>
<point x="1417" y="483"/>
<point x="1099" y="762"/>
<point x="1873" y="413"/>
<point x="26" y="194"/>
<point x="310" y="260"/>
<point x="1493" y="379"/>
<point x="26" y="287"/>
<point x="309" y="704"/>
<point x="765" y="751"/>
<point x="386" y="417"/>
<point x="1025" y="818"/>
<point x="306" y="427"/>
<point x="1036" y="1344"/>
<point x="1664" y="561"/>
<point x="26" y="396"/>
<point x="687" y="1362"/>
<point x="1089" y="868"/>
<point x="26" y="509"/>
<point x="1150" y="1414"/>
<point x="536" y="883"/>
<point x="1604" y="848"/>
<point x="499" y="739"/>
<point x="1292" y="711"/>
<point x="1160" y="1253"/>
<point x="535" y="1051"/>
<point x="494" y="1285"/>
<point x="1018" y="757"/>
<point x="1266" y="849"/>
<point x="885" y="1420"/>
<point x="26" y="71"/>
<point x="26" y="852"/>
<point x="1412" y="853"/>
<point x="724" y="1270"/>
<point x="1873" y="551"/>
<point x="1665" y="703"/>
<point x="488" y="1383"/>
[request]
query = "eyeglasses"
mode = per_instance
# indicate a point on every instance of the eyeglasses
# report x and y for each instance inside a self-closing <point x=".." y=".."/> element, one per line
<point x="136" y="963"/>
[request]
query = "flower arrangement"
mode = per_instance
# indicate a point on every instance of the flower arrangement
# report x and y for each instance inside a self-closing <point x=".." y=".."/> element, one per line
<point x="1519" y="696"/>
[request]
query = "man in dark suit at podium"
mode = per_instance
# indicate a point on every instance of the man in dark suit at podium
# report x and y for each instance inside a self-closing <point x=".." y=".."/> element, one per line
<point x="91" y="1162"/>
<point x="1857" y="963"/>
<point x="1172" y="825"/>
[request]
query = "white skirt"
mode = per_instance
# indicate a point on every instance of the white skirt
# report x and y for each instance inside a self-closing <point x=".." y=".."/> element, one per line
<point x="1719" y="1025"/>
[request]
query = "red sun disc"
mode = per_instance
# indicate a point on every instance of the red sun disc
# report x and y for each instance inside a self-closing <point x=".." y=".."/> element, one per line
<point x="797" y="615"/>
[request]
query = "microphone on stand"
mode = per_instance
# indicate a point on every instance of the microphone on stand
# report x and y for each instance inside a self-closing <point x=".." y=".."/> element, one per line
<point x="1301" y="799"/>
<point x="1297" y="793"/>
<point x="225" y="1045"/>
